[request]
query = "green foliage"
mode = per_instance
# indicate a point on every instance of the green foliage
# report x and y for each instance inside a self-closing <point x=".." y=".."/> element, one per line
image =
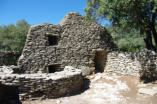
<point x="12" y="37"/>
<point x="126" y="40"/>
<point x="128" y="15"/>
<point x="12" y="60"/>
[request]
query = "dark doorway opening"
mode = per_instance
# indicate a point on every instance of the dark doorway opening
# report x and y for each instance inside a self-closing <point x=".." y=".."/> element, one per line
<point x="54" y="68"/>
<point x="100" y="60"/>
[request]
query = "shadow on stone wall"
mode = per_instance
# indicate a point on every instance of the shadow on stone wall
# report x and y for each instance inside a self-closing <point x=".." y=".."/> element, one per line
<point x="149" y="72"/>
<point x="9" y="95"/>
<point x="99" y="61"/>
<point x="99" y="58"/>
<point x="148" y="60"/>
<point x="85" y="86"/>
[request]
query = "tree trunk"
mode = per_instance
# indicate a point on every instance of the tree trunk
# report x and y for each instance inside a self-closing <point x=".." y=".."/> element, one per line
<point x="152" y="25"/>
<point x="154" y="35"/>
<point x="148" y="41"/>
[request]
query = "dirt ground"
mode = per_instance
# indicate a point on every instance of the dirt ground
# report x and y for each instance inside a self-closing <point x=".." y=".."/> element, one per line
<point x="105" y="88"/>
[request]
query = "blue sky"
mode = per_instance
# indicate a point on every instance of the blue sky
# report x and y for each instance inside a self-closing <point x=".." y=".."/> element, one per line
<point x="38" y="11"/>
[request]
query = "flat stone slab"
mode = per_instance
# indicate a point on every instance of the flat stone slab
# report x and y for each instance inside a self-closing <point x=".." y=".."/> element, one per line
<point x="148" y="91"/>
<point x="5" y="70"/>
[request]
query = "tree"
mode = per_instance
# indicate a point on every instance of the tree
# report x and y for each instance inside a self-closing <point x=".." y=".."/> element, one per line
<point x="129" y="41"/>
<point x="128" y="14"/>
<point x="12" y="37"/>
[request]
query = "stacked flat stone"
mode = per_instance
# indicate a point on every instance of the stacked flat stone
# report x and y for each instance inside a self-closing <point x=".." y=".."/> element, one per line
<point x="37" y="55"/>
<point x="77" y="38"/>
<point x="6" y="70"/>
<point x="35" y="86"/>
<point x="132" y="63"/>
<point x="148" y="60"/>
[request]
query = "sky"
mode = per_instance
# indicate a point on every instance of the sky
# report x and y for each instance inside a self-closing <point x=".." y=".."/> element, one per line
<point x="38" y="11"/>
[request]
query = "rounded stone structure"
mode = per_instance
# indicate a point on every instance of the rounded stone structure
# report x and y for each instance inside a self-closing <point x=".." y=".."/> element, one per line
<point x="74" y="42"/>
<point x="35" y="86"/>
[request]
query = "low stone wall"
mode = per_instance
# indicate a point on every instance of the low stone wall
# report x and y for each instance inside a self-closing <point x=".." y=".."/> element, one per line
<point x="122" y="63"/>
<point x="9" y="69"/>
<point x="35" y="86"/>
<point x="142" y="63"/>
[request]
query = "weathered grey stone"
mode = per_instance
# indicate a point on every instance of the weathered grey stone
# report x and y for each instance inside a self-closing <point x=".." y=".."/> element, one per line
<point x="69" y="50"/>
<point x="75" y="40"/>
<point x="42" y="85"/>
<point x="5" y="70"/>
<point x="86" y="70"/>
<point x="142" y="63"/>
<point x="148" y="91"/>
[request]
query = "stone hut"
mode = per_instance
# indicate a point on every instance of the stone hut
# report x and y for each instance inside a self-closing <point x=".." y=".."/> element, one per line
<point x="74" y="42"/>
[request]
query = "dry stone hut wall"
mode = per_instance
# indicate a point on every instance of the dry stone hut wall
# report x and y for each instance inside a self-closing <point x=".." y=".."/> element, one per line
<point x="77" y="43"/>
<point x="35" y="86"/>
<point x="72" y="42"/>
<point x="80" y="39"/>
<point x="38" y="54"/>
<point x="122" y="63"/>
<point x="143" y="63"/>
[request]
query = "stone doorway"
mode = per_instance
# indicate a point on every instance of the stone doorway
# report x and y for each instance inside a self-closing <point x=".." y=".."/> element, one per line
<point x="100" y="60"/>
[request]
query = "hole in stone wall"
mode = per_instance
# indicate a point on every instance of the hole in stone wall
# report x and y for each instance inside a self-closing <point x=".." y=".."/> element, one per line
<point x="99" y="60"/>
<point x="53" y="68"/>
<point x="52" y="39"/>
